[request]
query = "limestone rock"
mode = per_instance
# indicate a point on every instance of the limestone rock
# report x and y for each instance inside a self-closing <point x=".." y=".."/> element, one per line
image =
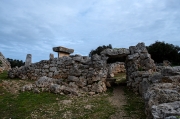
<point x="166" y="110"/>
<point x="51" y="56"/>
<point x="63" y="49"/>
<point x="45" y="82"/>
<point x="160" y="93"/>
<point x="116" y="52"/>
<point x="169" y="71"/>
<point x="72" y="78"/>
<point x="4" y="63"/>
<point x="28" y="60"/>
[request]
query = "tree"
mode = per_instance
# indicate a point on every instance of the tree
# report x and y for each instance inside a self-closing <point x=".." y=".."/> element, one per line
<point x="164" y="51"/>
<point x="15" y="62"/>
<point x="99" y="49"/>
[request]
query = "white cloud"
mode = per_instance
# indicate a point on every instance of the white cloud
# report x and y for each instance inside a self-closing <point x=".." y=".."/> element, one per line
<point x="37" y="26"/>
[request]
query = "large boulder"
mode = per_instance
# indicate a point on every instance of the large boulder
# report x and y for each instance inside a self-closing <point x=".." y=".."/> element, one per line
<point x="160" y="93"/>
<point x="118" y="52"/>
<point x="166" y="110"/>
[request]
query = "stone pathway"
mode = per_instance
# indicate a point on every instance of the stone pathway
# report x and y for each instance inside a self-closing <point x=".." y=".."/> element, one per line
<point x="118" y="99"/>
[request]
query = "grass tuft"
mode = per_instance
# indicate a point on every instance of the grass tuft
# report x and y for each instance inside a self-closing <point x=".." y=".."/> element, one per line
<point x="120" y="78"/>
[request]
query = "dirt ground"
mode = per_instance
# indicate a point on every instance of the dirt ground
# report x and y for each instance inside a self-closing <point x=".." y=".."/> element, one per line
<point x="118" y="99"/>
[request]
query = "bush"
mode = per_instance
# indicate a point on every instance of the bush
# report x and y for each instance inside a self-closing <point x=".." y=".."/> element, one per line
<point x="161" y="51"/>
<point x="15" y="62"/>
<point x="99" y="49"/>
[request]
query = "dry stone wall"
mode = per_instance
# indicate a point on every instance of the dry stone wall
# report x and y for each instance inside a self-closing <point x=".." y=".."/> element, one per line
<point x="139" y="66"/>
<point x="115" y="68"/>
<point x="92" y="70"/>
<point x="89" y="74"/>
<point x="4" y="63"/>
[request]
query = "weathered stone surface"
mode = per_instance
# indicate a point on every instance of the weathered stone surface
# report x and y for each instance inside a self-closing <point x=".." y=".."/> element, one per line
<point x="73" y="78"/>
<point x="28" y="60"/>
<point x="116" y="52"/>
<point x="45" y="82"/>
<point x="4" y="63"/>
<point x="155" y="77"/>
<point x="63" y="49"/>
<point x="169" y="71"/>
<point x="115" y="68"/>
<point x="51" y="56"/>
<point x="143" y="86"/>
<point x="160" y="93"/>
<point x="138" y="61"/>
<point x="166" y="110"/>
<point x="96" y="57"/>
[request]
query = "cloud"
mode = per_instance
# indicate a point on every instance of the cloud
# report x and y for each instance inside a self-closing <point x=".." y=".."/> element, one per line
<point x="37" y="26"/>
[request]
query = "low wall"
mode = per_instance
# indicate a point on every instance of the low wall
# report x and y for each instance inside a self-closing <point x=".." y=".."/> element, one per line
<point x="83" y="70"/>
<point x="160" y="91"/>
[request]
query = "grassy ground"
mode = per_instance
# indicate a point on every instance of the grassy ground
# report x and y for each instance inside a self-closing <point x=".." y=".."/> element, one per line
<point x="120" y="78"/>
<point x="30" y="105"/>
<point x="47" y="105"/>
<point x="135" y="106"/>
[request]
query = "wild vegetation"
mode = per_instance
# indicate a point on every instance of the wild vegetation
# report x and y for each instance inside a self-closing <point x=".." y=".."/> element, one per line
<point x="99" y="49"/>
<point x="164" y="51"/>
<point x="15" y="62"/>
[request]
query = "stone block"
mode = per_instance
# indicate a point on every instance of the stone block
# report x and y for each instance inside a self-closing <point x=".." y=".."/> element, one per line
<point x="28" y="60"/>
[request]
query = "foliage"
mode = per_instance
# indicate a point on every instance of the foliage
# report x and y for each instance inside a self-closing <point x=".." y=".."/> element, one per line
<point x="15" y="62"/>
<point x="135" y="106"/>
<point x="99" y="49"/>
<point x="164" y="51"/>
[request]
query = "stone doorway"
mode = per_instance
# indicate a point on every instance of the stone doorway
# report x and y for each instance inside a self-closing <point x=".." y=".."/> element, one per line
<point x="116" y="65"/>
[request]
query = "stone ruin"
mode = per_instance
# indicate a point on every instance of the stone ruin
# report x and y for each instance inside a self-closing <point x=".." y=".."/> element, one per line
<point x="28" y="60"/>
<point x="77" y="75"/>
<point x="62" y="51"/>
<point x="4" y="63"/>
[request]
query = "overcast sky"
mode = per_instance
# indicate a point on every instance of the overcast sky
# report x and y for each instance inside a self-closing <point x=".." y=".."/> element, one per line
<point x="35" y="26"/>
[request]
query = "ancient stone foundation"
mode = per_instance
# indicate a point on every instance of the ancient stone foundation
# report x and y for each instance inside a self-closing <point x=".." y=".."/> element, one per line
<point x="159" y="86"/>
<point x="86" y="73"/>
